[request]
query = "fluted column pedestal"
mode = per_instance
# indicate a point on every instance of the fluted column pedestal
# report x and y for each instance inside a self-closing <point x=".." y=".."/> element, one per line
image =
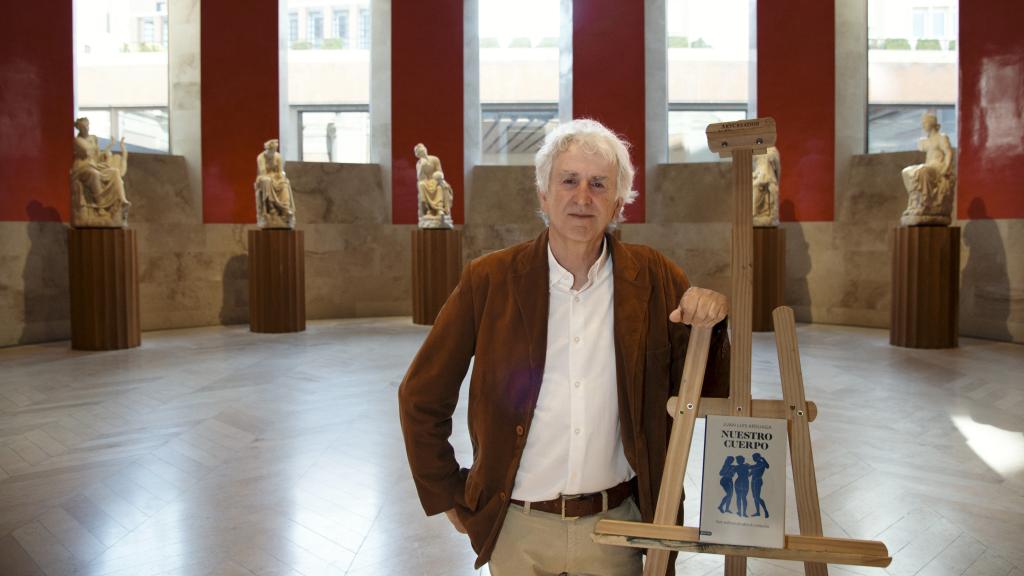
<point x="277" y="281"/>
<point x="925" y="287"/>
<point x="436" y="266"/>
<point x="769" y="276"/>
<point x="103" y="272"/>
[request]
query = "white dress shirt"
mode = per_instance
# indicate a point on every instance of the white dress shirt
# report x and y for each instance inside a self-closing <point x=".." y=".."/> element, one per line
<point x="574" y="445"/>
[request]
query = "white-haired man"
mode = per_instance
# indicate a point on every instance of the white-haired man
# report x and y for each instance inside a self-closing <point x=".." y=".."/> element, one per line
<point x="577" y="342"/>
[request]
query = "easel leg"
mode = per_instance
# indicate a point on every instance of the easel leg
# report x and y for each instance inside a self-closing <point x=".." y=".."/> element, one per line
<point x="804" y="482"/>
<point x="684" y="416"/>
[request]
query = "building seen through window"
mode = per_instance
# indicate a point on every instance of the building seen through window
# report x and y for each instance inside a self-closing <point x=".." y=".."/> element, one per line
<point x="121" y="71"/>
<point x="708" y="72"/>
<point x="329" y="80"/>
<point x="519" y="77"/>
<point x="912" y="69"/>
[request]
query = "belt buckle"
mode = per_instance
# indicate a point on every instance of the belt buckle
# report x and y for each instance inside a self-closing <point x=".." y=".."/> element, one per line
<point x="563" y="498"/>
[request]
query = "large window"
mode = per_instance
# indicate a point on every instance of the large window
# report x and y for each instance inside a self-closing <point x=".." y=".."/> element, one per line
<point x="121" y="72"/>
<point x="708" y="71"/>
<point x="329" y="80"/>
<point x="912" y="69"/>
<point x="519" y="79"/>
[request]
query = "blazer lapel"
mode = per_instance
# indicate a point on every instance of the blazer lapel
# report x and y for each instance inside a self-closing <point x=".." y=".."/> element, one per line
<point x="530" y="288"/>
<point x="632" y="293"/>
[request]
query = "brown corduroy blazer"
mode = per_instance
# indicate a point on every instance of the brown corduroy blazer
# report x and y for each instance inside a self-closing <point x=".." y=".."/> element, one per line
<point x="497" y="317"/>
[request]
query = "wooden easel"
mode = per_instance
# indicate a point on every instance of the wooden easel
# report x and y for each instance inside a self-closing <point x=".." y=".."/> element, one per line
<point x="741" y="140"/>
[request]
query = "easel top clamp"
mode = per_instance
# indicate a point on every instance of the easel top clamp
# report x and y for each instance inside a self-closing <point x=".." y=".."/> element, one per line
<point x="741" y="140"/>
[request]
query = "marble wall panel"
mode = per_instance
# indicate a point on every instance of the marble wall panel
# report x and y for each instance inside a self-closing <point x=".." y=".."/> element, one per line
<point x="992" y="279"/>
<point x="337" y="193"/>
<point x="691" y="193"/>
<point x="157" y="186"/>
<point x="34" y="302"/>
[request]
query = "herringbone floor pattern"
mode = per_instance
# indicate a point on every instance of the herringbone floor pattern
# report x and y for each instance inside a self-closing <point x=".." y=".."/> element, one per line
<point x="218" y="451"/>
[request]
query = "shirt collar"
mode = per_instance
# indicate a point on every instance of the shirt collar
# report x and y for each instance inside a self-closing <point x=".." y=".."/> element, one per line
<point x="557" y="274"/>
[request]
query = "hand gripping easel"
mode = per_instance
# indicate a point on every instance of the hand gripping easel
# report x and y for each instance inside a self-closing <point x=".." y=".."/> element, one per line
<point x="741" y="140"/>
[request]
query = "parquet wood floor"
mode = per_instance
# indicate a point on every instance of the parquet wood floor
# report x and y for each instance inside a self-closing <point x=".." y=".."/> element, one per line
<point x="219" y="451"/>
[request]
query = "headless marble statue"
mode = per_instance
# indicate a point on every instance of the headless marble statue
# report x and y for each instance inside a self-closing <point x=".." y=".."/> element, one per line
<point x="97" y="183"/>
<point x="435" y="194"/>
<point x="275" y="204"/>
<point x="930" y="186"/>
<point x="767" y="171"/>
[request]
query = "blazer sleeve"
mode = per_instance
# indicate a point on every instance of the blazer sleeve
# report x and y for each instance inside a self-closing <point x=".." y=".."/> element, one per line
<point x="716" y="374"/>
<point x="428" y="395"/>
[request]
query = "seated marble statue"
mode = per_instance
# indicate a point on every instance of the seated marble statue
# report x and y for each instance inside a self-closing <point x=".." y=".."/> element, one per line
<point x="930" y="186"/>
<point x="275" y="204"/>
<point x="435" y="202"/>
<point x="97" y="182"/>
<point x="435" y="194"/>
<point x="767" y="171"/>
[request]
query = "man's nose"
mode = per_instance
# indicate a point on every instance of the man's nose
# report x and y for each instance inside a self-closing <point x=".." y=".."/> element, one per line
<point x="583" y="194"/>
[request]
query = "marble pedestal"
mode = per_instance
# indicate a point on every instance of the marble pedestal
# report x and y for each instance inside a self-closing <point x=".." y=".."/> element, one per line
<point x="277" y="281"/>
<point x="925" y="287"/>
<point x="103" y="268"/>
<point x="436" y="266"/>
<point x="769" y="276"/>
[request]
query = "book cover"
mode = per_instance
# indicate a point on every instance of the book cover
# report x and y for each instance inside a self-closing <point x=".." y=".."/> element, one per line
<point x="743" y="492"/>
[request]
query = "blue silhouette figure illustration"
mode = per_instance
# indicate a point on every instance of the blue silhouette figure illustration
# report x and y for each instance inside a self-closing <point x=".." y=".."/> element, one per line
<point x="757" y="481"/>
<point x="726" y="473"/>
<point x="741" y="485"/>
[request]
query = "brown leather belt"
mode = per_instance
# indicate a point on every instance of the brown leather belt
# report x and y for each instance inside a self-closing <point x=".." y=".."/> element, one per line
<point x="580" y="505"/>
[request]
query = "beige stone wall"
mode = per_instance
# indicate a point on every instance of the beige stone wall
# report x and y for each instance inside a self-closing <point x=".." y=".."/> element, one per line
<point x="357" y="264"/>
<point x="195" y="274"/>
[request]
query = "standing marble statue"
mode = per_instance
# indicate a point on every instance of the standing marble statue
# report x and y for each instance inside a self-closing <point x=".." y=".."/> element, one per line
<point x="332" y="134"/>
<point x="275" y="204"/>
<point x="435" y="194"/>
<point x="767" y="171"/>
<point x="97" y="182"/>
<point x="930" y="186"/>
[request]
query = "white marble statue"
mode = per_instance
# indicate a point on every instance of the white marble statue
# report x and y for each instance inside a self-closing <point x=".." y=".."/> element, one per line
<point x="930" y="186"/>
<point x="435" y="194"/>
<point x="275" y="204"/>
<point x="767" y="171"/>
<point x="97" y="182"/>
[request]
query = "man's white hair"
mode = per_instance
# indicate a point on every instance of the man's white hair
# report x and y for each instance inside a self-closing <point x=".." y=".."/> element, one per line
<point x="594" y="138"/>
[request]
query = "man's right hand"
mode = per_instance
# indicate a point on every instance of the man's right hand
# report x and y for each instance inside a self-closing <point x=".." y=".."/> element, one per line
<point x="454" y="519"/>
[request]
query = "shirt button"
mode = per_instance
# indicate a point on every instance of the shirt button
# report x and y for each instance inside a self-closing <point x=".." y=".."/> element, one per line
<point x="577" y="431"/>
<point x="520" y="430"/>
<point x="576" y="383"/>
<point x="576" y="299"/>
<point x="576" y="339"/>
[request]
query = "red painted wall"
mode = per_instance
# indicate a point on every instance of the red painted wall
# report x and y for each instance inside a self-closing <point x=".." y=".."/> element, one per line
<point x="608" y="77"/>
<point x="37" y="111"/>
<point x="796" y="86"/>
<point x="426" y="99"/>
<point x="991" y="132"/>
<point x="239" y="74"/>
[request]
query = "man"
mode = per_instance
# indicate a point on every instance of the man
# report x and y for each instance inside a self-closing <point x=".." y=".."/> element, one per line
<point x="577" y="342"/>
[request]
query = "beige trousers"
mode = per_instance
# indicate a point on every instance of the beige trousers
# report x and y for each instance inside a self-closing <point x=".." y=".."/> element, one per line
<point x="541" y="544"/>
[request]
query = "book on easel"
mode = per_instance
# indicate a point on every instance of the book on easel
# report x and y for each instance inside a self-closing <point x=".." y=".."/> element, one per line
<point x="743" y="492"/>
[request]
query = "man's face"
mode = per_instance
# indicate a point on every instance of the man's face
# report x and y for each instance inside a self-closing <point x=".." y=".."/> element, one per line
<point x="582" y="196"/>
